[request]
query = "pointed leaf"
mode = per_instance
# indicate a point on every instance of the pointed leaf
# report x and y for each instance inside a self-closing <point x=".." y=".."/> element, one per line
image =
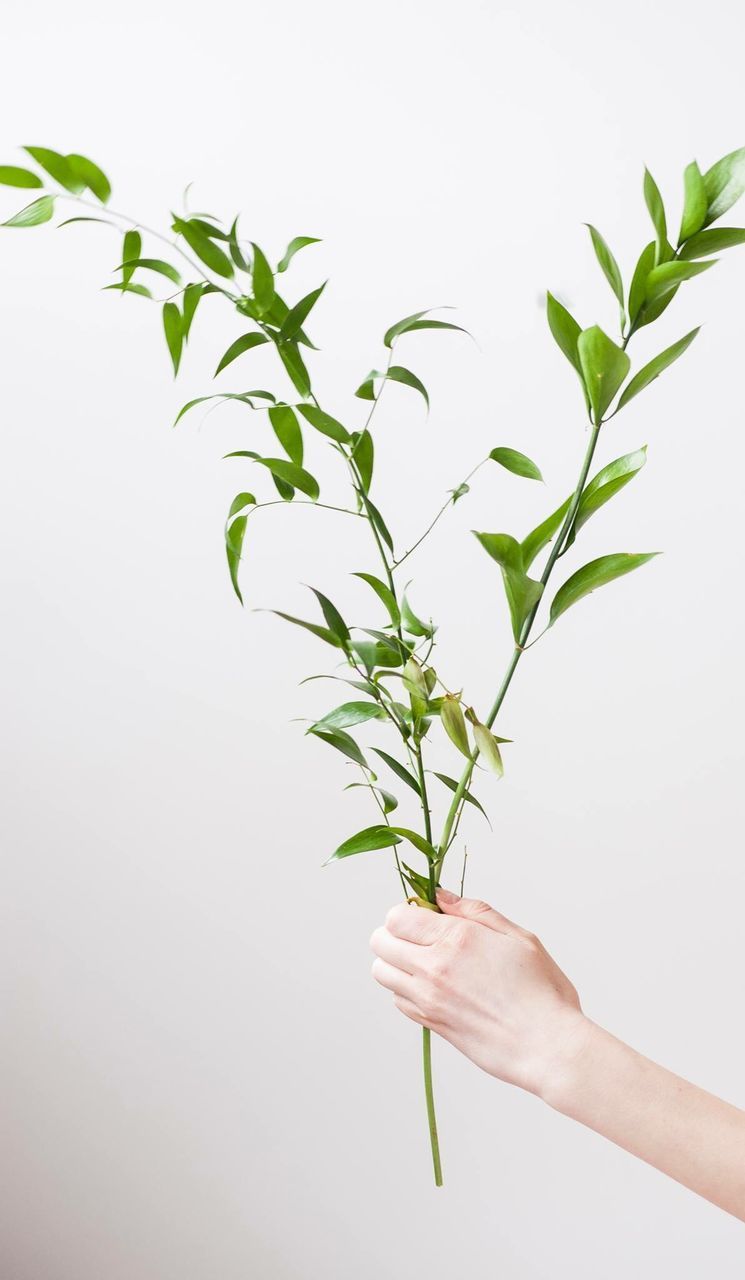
<point x="377" y="837"/>
<point x="655" y="367"/>
<point x="452" y="785"/>
<point x="235" y="250"/>
<point x="397" y="373"/>
<point x="638" y="290"/>
<point x="418" y="841"/>
<point x="191" y="299"/>
<point x="384" y="593"/>
<point x="350" y="713"/>
<point x="657" y="214"/>
<point x="323" y="633"/>
<point x="287" y="430"/>
<point x="695" y="202"/>
<point x="173" y="332"/>
<point x="538" y="538"/>
<point x="289" y="473"/>
<point x="595" y="574"/>
<point x="608" y="264"/>
<point x="412" y="624"/>
<point x="140" y="289"/>
<point x="523" y="592"/>
<point x="488" y="748"/>
<point x="605" y="485"/>
<point x="324" y="423"/>
<point x="333" y="618"/>
<point x="516" y="462"/>
<point x="604" y="367"/>
<point x="262" y="278"/>
<point x="235" y="530"/>
<point x="400" y="770"/>
<point x="299" y="242"/>
<point x="34" y="214"/>
<point x="131" y="251"/>
<point x="295" y="318"/>
<point x="341" y="741"/>
<point x="151" y="264"/>
<point x="57" y="167"/>
<point x="453" y="722"/>
<point x="363" y="456"/>
<point x="293" y="363"/>
<point x="12" y="176"/>
<point x="91" y="176"/>
<point x="245" y="343"/>
<point x="380" y="524"/>
<point x="565" y="330"/>
<point x="204" y="247"/>
<point x="665" y="278"/>
<point x="712" y="241"/>
<point x="724" y="183"/>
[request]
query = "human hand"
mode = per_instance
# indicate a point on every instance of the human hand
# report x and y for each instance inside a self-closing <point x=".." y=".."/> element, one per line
<point x="484" y="984"/>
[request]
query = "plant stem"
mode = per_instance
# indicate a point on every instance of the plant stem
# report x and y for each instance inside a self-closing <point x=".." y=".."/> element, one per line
<point x="429" y="1095"/>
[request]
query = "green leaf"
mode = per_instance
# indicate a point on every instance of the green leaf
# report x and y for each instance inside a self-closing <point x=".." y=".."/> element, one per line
<point x="92" y="177"/>
<point x="343" y="742"/>
<point x="384" y="593"/>
<point x="235" y="250"/>
<point x="350" y="713"/>
<point x="299" y="242"/>
<point x="418" y="841"/>
<point x="604" y="367"/>
<point x="565" y="330"/>
<point x="595" y="574"/>
<point x="131" y="250"/>
<point x="363" y="456"/>
<point x="295" y="318"/>
<point x="388" y="801"/>
<point x="324" y="423"/>
<point x="412" y="624"/>
<point x="173" y="332"/>
<point x="323" y="633"/>
<point x="151" y="264"/>
<point x="419" y="883"/>
<point x="237" y="348"/>
<point x="655" y="367"/>
<point x="58" y="168"/>
<point x="397" y="373"/>
<point x="453" y="722"/>
<point x="235" y="529"/>
<point x="538" y="538"/>
<point x="608" y="264"/>
<point x="608" y="482"/>
<point x="380" y="524"/>
<point x="638" y="290"/>
<point x="287" y="430"/>
<point x="293" y="475"/>
<point x="724" y="183"/>
<point x="665" y="278"/>
<point x="713" y="241"/>
<point x="488" y="748"/>
<point x="657" y="214"/>
<point x="293" y="363"/>
<point x="400" y="770"/>
<point x="333" y="618"/>
<point x="695" y="202"/>
<point x="105" y="222"/>
<point x="366" y="389"/>
<point x="191" y="299"/>
<point x="413" y="322"/>
<point x="34" y="214"/>
<point x="139" y="289"/>
<point x="523" y="592"/>
<point x="377" y="837"/>
<point x="206" y="250"/>
<point x="262" y="278"/>
<point x="12" y="176"/>
<point x="516" y="462"/>
<point x="452" y="785"/>
<point x="243" y="396"/>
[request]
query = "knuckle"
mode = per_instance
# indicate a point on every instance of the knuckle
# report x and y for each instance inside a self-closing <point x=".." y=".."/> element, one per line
<point x="376" y="968"/>
<point x="394" y="917"/>
<point x="375" y="939"/>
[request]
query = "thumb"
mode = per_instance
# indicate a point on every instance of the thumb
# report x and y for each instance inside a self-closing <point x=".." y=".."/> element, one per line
<point x="473" y="909"/>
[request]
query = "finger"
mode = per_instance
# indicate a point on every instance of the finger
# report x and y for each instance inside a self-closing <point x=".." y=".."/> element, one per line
<point x="395" y="980"/>
<point x="410" y="1009"/>
<point x="414" y="924"/>
<point x="401" y="954"/>
<point x="473" y="909"/>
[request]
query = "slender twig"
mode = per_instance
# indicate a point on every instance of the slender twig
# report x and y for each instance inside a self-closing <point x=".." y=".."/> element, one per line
<point x="450" y="502"/>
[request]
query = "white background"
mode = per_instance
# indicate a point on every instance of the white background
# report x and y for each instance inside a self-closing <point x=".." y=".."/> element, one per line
<point x="199" y="1079"/>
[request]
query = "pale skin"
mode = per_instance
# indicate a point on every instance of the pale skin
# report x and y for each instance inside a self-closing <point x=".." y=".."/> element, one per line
<point x="492" y="990"/>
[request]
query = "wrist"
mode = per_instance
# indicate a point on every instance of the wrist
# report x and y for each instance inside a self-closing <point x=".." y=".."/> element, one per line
<point x="566" y="1059"/>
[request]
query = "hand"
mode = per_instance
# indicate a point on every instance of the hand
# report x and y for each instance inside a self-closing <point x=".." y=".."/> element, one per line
<point x="484" y="984"/>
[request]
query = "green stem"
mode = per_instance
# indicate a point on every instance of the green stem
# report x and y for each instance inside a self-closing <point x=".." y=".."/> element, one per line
<point x="429" y="1095"/>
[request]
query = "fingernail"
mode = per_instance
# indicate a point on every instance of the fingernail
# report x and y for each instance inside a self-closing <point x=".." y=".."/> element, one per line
<point x="444" y="895"/>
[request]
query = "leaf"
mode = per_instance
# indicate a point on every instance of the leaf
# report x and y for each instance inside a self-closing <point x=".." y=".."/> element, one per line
<point x="287" y="430"/>
<point x="288" y="472"/>
<point x="638" y="290"/>
<point x="400" y="770"/>
<point x="350" y="713"/>
<point x="712" y="241"/>
<point x="414" y="322"/>
<point x="206" y="250"/>
<point x="657" y="214"/>
<point x="595" y="574"/>
<point x="665" y="278"/>
<point x="695" y="202"/>
<point x="383" y="593"/>
<point x="131" y="250"/>
<point x="343" y="742"/>
<point x="299" y="242"/>
<point x="655" y="367"/>
<point x="380" y="525"/>
<point x="523" y="592"/>
<point x="235" y="250"/>
<point x="724" y="183"/>
<point x="419" y="883"/>
<point x="34" y="214"/>
<point x="565" y="330"/>
<point x="452" y="785"/>
<point x="333" y="618"/>
<point x="139" y="289"/>
<point x="516" y="462"/>
<point x="57" y="167"/>
<point x="324" y="423"/>
<point x="604" y="367"/>
<point x="243" y="396"/>
<point x="412" y="624"/>
<point x="608" y="264"/>
<point x="12" y="176"/>
<point x="105" y="222"/>
<point x="151" y="264"/>
<point x="363" y="456"/>
<point x="608" y="482"/>
<point x="366" y="389"/>
<point x="418" y="841"/>
<point x="237" y="348"/>
<point x="397" y="373"/>
<point x="295" y="318"/>
<point x="235" y="529"/>
<point x="377" y="837"/>
<point x="262" y="278"/>
<point x="323" y="633"/>
<point x="538" y="538"/>
<point x="388" y="801"/>
<point x="191" y="299"/>
<point x="91" y="176"/>
<point x="293" y="363"/>
<point x="453" y="722"/>
<point x="488" y="748"/>
<point x="173" y="332"/>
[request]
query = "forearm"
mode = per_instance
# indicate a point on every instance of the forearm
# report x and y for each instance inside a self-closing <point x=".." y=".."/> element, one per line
<point x="678" y="1128"/>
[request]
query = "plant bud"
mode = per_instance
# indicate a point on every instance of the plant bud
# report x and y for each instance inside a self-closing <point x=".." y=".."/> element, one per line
<point x="488" y="748"/>
<point x="454" y="724"/>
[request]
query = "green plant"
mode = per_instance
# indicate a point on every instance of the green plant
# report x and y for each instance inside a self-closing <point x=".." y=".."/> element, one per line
<point x="389" y="666"/>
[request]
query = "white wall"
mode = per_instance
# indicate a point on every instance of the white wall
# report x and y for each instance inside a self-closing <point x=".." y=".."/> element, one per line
<point x="199" y="1078"/>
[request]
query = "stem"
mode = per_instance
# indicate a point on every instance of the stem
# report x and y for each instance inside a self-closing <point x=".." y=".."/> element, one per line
<point x="429" y="1095"/>
<point x="438" y="517"/>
